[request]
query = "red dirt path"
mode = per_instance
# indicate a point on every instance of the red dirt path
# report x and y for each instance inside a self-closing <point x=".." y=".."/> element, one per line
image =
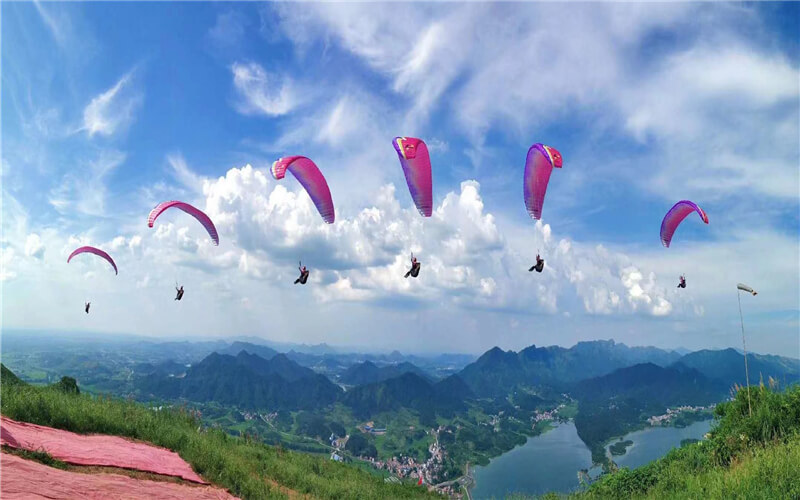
<point x="25" y="479"/>
<point x="111" y="451"/>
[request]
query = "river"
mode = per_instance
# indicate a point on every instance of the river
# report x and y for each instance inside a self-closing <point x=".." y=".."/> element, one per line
<point x="551" y="461"/>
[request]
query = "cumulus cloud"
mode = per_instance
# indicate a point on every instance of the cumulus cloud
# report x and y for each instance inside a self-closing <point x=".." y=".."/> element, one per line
<point x="261" y="92"/>
<point x="34" y="246"/>
<point x="113" y="109"/>
<point x="364" y="256"/>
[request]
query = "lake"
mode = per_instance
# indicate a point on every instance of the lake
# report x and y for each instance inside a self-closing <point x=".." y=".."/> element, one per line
<point x="655" y="442"/>
<point x="551" y="461"/>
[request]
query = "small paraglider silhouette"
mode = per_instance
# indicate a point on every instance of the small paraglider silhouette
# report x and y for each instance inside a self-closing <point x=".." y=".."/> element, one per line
<point x="682" y="283"/>
<point x="87" y="307"/>
<point x="303" y="274"/>
<point x="415" y="266"/>
<point x="179" y="296"/>
<point x="539" y="266"/>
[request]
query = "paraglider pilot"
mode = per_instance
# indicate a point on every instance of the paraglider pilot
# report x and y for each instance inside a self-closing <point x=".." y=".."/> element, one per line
<point x="303" y="275"/>
<point x="180" y="293"/>
<point x="87" y="307"/>
<point x="682" y="283"/>
<point x="415" y="265"/>
<point x="539" y="264"/>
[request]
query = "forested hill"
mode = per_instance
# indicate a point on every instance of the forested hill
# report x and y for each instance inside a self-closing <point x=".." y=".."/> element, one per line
<point x="614" y="404"/>
<point x="368" y="372"/>
<point x="246" y="381"/>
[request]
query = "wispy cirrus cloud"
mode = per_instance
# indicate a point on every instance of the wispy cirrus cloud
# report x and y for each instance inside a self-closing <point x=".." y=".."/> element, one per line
<point x="262" y="93"/>
<point x="113" y="110"/>
<point x="84" y="190"/>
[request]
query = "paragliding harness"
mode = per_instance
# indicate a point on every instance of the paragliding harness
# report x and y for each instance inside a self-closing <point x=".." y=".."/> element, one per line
<point x="87" y="307"/>
<point x="539" y="264"/>
<point x="180" y="292"/>
<point x="303" y="275"/>
<point x="682" y="283"/>
<point x="415" y="266"/>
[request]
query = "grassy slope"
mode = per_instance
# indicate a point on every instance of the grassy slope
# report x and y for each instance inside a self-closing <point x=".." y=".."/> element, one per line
<point x="247" y="469"/>
<point x="746" y="456"/>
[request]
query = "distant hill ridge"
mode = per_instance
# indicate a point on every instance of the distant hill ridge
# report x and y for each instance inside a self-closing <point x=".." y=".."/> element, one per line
<point x="248" y="381"/>
<point x="498" y="371"/>
<point x="368" y="372"/>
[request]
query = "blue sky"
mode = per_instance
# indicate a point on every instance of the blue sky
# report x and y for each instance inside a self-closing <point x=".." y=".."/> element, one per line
<point x="110" y="108"/>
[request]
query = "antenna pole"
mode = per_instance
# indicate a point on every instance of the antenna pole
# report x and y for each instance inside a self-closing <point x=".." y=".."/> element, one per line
<point x="744" y="347"/>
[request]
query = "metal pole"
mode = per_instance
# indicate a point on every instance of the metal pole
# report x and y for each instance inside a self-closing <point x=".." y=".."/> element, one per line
<point x="744" y="347"/>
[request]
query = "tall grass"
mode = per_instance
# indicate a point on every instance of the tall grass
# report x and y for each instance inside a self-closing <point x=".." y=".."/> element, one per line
<point x="247" y="469"/>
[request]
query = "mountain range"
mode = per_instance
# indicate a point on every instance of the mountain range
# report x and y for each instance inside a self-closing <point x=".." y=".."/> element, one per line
<point x="497" y="372"/>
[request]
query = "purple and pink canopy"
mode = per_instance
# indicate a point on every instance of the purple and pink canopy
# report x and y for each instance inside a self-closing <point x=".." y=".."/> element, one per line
<point x="194" y="212"/>
<point x="675" y="216"/>
<point x="95" y="251"/>
<point x="309" y="175"/>
<point x="416" y="162"/>
<point x="538" y="165"/>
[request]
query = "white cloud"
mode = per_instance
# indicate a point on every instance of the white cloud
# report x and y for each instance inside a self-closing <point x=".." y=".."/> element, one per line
<point x="34" y="246"/>
<point x="364" y="256"/>
<point x="6" y="261"/>
<point x="262" y="93"/>
<point x="184" y="174"/>
<point x="112" y="110"/>
<point x="84" y="189"/>
<point x="229" y="29"/>
<point x="719" y="122"/>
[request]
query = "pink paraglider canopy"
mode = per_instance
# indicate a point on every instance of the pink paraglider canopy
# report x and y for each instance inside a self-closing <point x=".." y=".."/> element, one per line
<point x="538" y="166"/>
<point x="95" y="251"/>
<point x="675" y="216"/>
<point x="310" y="177"/>
<point x="416" y="163"/>
<point x="194" y="212"/>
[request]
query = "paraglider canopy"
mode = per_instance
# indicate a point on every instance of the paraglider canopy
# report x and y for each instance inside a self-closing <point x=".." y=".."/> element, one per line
<point x="416" y="163"/>
<point x="95" y="251"/>
<point x="311" y="178"/>
<point x="194" y="212"/>
<point x="675" y="216"/>
<point x="539" y="165"/>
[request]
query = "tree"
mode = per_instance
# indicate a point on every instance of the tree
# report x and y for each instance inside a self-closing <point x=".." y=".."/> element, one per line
<point x="67" y="385"/>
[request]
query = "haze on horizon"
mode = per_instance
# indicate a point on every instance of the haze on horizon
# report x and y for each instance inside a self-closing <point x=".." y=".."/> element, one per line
<point x="111" y="108"/>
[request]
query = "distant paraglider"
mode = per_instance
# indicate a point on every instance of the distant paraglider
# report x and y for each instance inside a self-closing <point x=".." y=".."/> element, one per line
<point x="194" y="212"/>
<point x="416" y="163"/>
<point x="539" y="266"/>
<point x="682" y="282"/>
<point x="99" y="253"/>
<point x="95" y="251"/>
<point x="303" y="274"/>
<point x="311" y="178"/>
<point x="539" y="165"/>
<point x="675" y="216"/>
<point x="179" y="296"/>
<point x="415" y="266"/>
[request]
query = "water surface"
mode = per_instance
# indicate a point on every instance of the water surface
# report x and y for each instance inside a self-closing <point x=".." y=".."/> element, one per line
<point x="654" y="442"/>
<point x="548" y="462"/>
<point x="551" y="461"/>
